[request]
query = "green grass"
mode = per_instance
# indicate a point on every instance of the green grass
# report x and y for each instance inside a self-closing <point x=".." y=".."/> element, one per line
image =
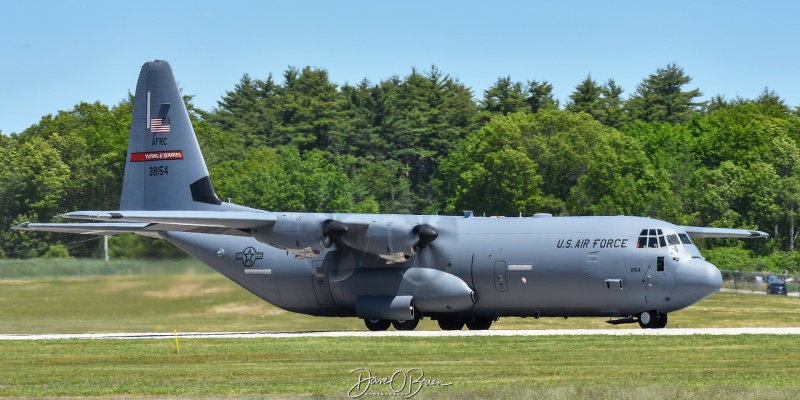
<point x="500" y="367"/>
<point x="44" y="268"/>
<point x="210" y="302"/>
<point x="701" y="367"/>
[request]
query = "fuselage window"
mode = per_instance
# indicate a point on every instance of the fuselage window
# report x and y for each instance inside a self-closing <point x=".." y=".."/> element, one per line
<point x="684" y="238"/>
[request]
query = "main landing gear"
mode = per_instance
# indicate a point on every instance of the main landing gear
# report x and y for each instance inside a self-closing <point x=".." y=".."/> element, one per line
<point x="407" y="325"/>
<point x="473" y="324"/>
<point x="384" y="324"/>
<point x="377" y="324"/>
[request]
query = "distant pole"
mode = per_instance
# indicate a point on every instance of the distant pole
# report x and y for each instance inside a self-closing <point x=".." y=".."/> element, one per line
<point x="105" y="246"/>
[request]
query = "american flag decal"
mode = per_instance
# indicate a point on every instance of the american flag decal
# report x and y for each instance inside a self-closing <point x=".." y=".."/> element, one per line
<point x="159" y="125"/>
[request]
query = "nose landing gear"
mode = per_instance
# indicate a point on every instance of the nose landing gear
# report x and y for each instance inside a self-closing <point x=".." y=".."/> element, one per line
<point x="652" y="320"/>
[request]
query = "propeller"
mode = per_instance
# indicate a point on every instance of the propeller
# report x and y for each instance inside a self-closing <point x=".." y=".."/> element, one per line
<point x="425" y="235"/>
<point x="434" y="241"/>
<point x="332" y="231"/>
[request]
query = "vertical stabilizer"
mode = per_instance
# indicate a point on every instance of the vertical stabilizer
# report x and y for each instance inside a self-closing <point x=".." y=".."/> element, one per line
<point x="165" y="169"/>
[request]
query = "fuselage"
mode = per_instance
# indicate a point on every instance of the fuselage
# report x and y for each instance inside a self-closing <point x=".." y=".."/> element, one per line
<point x="481" y="267"/>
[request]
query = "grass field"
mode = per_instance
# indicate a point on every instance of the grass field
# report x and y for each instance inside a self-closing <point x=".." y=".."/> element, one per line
<point x="210" y="302"/>
<point x="719" y="367"/>
<point x="701" y="367"/>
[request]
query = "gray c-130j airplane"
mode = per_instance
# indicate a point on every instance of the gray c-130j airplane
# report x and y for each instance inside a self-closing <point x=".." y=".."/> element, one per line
<point x="396" y="269"/>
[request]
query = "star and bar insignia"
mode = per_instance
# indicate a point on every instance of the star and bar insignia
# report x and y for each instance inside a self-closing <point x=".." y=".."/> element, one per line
<point x="249" y="256"/>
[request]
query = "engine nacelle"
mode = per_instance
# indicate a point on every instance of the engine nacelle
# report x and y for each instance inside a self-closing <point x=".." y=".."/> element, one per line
<point x="305" y="236"/>
<point x="392" y="241"/>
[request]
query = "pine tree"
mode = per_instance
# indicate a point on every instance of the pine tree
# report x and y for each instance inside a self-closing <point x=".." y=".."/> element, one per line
<point x="661" y="98"/>
<point x="540" y="96"/>
<point x="586" y="98"/>
<point x="504" y="97"/>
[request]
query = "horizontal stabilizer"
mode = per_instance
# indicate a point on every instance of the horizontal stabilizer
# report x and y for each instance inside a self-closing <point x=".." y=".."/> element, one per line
<point x="706" y="232"/>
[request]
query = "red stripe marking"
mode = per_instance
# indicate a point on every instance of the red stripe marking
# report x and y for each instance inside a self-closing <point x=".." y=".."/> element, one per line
<point x="157" y="156"/>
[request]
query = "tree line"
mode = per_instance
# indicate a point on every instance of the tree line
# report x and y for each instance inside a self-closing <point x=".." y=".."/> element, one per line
<point x="425" y="143"/>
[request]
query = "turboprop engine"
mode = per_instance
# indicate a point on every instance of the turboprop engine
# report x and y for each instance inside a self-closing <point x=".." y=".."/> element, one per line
<point x="302" y="236"/>
<point x="306" y="236"/>
<point x="393" y="242"/>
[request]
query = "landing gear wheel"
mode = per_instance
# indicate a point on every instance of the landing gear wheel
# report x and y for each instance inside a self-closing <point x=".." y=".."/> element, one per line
<point x="645" y="320"/>
<point x="377" y="324"/>
<point x="652" y="319"/>
<point x="662" y="320"/>
<point x="405" y="325"/>
<point x="450" y="325"/>
<point x="479" y="324"/>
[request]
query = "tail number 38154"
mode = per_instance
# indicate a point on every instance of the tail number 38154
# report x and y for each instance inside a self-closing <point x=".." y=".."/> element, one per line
<point x="159" y="170"/>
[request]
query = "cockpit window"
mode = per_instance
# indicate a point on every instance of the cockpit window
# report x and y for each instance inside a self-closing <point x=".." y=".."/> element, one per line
<point x="685" y="238"/>
<point x="673" y="239"/>
<point x="655" y="238"/>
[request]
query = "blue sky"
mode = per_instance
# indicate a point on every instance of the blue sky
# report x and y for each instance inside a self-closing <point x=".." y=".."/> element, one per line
<point x="55" y="54"/>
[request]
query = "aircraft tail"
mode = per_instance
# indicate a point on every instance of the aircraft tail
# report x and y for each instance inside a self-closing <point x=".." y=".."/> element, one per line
<point x="165" y="169"/>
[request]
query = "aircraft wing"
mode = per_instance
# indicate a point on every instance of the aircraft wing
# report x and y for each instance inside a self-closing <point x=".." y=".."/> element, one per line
<point x="151" y="222"/>
<point x="706" y="232"/>
<point x="87" y="229"/>
<point x="187" y="219"/>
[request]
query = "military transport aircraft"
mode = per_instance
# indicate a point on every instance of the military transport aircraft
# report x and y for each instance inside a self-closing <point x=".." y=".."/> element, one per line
<point x="396" y="269"/>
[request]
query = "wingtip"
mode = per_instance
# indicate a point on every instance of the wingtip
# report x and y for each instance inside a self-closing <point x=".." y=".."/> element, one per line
<point x="23" y="225"/>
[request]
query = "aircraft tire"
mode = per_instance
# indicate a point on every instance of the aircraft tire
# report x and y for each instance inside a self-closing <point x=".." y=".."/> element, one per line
<point x="662" y="320"/>
<point x="479" y="324"/>
<point x="377" y="324"/>
<point x="406" y="325"/>
<point x="652" y="320"/>
<point x="450" y="325"/>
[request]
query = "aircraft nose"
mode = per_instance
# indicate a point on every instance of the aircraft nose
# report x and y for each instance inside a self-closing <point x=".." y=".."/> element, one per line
<point x="695" y="280"/>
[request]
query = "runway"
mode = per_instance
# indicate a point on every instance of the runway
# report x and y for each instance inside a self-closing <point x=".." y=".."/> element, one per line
<point x="464" y="333"/>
